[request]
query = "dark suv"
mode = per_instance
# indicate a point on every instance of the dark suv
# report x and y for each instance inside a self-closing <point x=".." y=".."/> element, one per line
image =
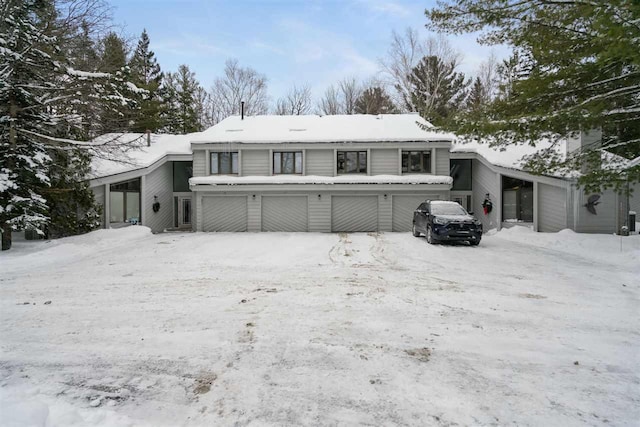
<point x="444" y="221"/>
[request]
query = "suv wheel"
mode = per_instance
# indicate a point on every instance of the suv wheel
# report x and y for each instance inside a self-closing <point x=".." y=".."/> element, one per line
<point x="430" y="239"/>
<point x="415" y="232"/>
<point x="474" y="242"/>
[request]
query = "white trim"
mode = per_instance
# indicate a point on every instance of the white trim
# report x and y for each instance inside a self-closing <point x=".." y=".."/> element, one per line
<point x="143" y="204"/>
<point x="107" y="205"/>
<point x="315" y="188"/>
<point x="535" y="205"/>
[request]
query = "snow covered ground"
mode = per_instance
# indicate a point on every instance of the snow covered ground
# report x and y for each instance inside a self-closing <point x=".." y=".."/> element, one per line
<point x="323" y="329"/>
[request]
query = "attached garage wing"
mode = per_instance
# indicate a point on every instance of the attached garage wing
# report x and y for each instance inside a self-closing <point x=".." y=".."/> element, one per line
<point x="224" y="213"/>
<point x="284" y="213"/>
<point x="354" y="213"/>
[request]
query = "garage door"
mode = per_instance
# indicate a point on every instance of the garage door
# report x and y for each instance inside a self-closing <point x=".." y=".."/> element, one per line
<point x="284" y="213"/>
<point x="403" y="207"/>
<point x="552" y="210"/>
<point x="224" y="213"/>
<point x="354" y="213"/>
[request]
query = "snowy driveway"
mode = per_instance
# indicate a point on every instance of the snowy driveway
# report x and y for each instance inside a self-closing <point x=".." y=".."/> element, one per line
<point x="320" y="329"/>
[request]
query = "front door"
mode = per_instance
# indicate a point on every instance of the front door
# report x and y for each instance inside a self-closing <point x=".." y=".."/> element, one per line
<point x="184" y="211"/>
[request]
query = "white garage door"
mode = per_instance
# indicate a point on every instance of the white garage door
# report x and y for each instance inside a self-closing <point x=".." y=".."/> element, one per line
<point x="403" y="207"/>
<point x="284" y="213"/>
<point x="224" y="213"/>
<point x="354" y="213"/>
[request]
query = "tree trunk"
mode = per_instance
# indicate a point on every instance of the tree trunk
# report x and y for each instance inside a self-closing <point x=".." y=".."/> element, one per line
<point x="6" y="237"/>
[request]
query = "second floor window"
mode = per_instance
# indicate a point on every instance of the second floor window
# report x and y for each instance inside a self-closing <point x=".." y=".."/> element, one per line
<point x="287" y="162"/>
<point x="416" y="162"/>
<point x="224" y="163"/>
<point x="352" y="162"/>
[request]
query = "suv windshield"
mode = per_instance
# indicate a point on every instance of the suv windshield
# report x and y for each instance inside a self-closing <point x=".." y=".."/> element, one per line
<point x="447" y="209"/>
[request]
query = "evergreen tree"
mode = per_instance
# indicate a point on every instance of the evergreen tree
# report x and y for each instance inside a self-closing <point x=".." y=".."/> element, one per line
<point x="438" y="90"/>
<point x="115" y="114"/>
<point x="41" y="100"/>
<point x="146" y="74"/>
<point x="23" y="159"/>
<point x="181" y="89"/>
<point x="477" y="96"/>
<point x="113" y="57"/>
<point x="375" y="100"/>
<point x="72" y="208"/>
<point x="577" y="68"/>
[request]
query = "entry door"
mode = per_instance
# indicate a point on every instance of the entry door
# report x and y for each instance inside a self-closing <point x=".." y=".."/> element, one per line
<point x="184" y="211"/>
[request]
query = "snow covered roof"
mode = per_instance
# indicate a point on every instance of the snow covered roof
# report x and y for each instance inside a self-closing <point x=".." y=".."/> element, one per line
<point x="311" y="179"/>
<point x="138" y="155"/>
<point x="508" y="156"/>
<point x="314" y="128"/>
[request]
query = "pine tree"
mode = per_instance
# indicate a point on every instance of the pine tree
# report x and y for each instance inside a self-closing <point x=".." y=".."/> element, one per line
<point x="181" y="104"/>
<point x="146" y="74"/>
<point x="41" y="105"/>
<point x="23" y="159"/>
<point x="477" y="96"/>
<point x="113" y="57"/>
<point x="577" y="68"/>
<point x="438" y="90"/>
<point x="375" y="100"/>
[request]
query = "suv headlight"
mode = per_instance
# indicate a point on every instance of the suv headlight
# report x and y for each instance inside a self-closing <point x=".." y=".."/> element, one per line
<point x="438" y="220"/>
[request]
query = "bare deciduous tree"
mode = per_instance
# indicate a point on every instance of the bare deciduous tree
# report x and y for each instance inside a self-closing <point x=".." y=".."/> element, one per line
<point x="238" y="84"/>
<point x="297" y="102"/>
<point x="341" y="99"/>
<point x="330" y="103"/>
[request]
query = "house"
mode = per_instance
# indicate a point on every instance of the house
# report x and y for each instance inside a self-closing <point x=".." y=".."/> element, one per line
<point x="344" y="173"/>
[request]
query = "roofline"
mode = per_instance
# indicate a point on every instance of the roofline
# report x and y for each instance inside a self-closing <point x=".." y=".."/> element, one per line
<point x="324" y="141"/>
<point x="144" y="170"/>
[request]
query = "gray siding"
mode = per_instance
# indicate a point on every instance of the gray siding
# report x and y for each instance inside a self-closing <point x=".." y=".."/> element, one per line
<point x="485" y="181"/>
<point x="606" y="218"/>
<point x="384" y="161"/>
<point x="634" y="201"/>
<point x="159" y="183"/>
<point x="552" y="208"/>
<point x="199" y="163"/>
<point x="319" y="162"/>
<point x="224" y="213"/>
<point x="320" y="212"/>
<point x="284" y="213"/>
<point x="98" y="195"/>
<point x="255" y="162"/>
<point x="442" y="161"/>
<point x="354" y="213"/>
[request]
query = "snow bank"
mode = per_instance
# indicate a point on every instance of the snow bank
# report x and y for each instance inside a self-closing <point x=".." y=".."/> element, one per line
<point x="311" y="179"/>
<point x="616" y="249"/>
<point x="314" y="128"/>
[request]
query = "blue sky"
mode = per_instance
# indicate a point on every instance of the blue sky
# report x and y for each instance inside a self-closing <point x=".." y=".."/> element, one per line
<point x="315" y="42"/>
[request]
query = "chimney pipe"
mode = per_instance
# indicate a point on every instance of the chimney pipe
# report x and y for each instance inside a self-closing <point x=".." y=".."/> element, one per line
<point x="242" y="110"/>
<point x="148" y="138"/>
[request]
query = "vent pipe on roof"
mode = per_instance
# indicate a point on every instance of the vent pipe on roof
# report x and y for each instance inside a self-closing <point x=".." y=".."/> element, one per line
<point x="242" y="110"/>
<point x="148" y="138"/>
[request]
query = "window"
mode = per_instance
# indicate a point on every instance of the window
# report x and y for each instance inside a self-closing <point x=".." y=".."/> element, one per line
<point x="182" y="171"/>
<point x="352" y="162"/>
<point x="287" y="162"/>
<point x="224" y="163"/>
<point x="416" y="162"/>
<point x="124" y="202"/>
<point x="461" y="173"/>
